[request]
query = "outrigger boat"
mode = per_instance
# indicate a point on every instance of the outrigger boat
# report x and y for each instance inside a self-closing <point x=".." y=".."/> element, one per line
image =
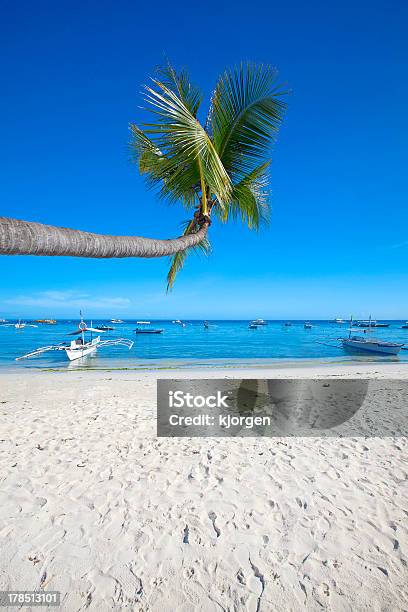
<point x="19" y="325"/>
<point x="146" y="330"/>
<point x="371" y="345"/>
<point x="370" y="323"/>
<point x="80" y="347"/>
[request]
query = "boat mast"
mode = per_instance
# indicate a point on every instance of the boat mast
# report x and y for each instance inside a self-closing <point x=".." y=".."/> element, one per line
<point x="81" y="326"/>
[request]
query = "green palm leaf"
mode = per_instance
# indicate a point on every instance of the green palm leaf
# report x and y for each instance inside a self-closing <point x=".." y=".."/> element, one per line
<point x="189" y="151"/>
<point x="180" y="84"/>
<point x="250" y="199"/>
<point x="178" y="260"/>
<point x="174" y="183"/>
<point x="245" y="116"/>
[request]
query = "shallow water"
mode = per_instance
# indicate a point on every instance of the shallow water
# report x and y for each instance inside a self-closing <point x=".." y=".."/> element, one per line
<point x="225" y="342"/>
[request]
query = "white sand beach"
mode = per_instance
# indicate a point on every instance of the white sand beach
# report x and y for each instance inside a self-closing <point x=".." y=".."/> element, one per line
<point x="94" y="505"/>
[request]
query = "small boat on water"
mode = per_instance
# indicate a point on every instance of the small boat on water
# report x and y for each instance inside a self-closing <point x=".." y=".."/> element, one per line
<point x="146" y="330"/>
<point x="116" y="321"/>
<point x="206" y="325"/>
<point x="252" y="326"/>
<point x="370" y="345"/>
<point x="369" y="323"/>
<point x="19" y="325"/>
<point x="80" y="347"/>
<point x="287" y="324"/>
<point x="363" y="343"/>
<point x="338" y="321"/>
<point x="307" y="325"/>
<point x="259" y="322"/>
<point x="104" y="328"/>
<point x="46" y="321"/>
<point x="3" y="321"/>
<point x="143" y="322"/>
<point x="405" y="326"/>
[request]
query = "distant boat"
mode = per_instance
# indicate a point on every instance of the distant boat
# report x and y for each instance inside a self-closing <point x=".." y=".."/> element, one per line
<point x="143" y="322"/>
<point x="206" y="325"/>
<point x="3" y="320"/>
<point x="405" y="326"/>
<point x="259" y="322"/>
<point x="116" y="321"/>
<point x="252" y="326"/>
<point x="46" y="321"/>
<point x="370" y="345"/>
<point x="337" y="321"/>
<point x="19" y="325"/>
<point x="104" y="327"/>
<point x="287" y="324"/>
<point x="369" y="323"/>
<point x="148" y="331"/>
<point x="308" y="325"/>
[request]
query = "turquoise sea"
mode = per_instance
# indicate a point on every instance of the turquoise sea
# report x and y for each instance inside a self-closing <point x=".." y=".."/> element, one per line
<point x="224" y="343"/>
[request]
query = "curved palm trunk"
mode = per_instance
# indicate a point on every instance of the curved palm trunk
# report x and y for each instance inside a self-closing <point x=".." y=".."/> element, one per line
<point x="28" y="238"/>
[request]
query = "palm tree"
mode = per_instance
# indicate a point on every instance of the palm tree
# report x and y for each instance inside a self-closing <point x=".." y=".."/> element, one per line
<point x="219" y="169"/>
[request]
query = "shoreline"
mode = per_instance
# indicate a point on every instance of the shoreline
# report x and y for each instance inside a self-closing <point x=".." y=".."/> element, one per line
<point x="282" y="368"/>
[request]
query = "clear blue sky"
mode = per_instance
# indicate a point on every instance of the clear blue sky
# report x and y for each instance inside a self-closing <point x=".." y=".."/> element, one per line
<point x="71" y="77"/>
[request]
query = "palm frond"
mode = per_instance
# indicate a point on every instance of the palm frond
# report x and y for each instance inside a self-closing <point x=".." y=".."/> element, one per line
<point x="246" y="112"/>
<point x="174" y="184"/>
<point x="180" y="84"/>
<point x="178" y="259"/>
<point x="250" y="199"/>
<point x="189" y="152"/>
<point x="145" y="153"/>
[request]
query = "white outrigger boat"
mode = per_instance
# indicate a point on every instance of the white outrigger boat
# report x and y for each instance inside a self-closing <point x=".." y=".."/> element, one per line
<point x="80" y="347"/>
<point x="19" y="325"/>
<point x="366" y="344"/>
